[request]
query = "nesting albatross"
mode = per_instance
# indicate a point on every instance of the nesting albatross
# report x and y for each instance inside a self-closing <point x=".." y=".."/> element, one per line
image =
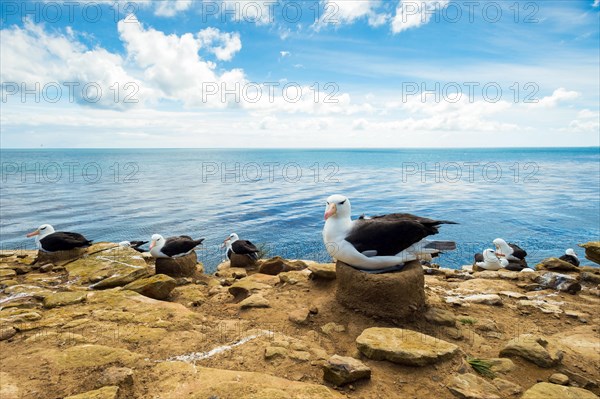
<point x="172" y="247"/>
<point x="241" y="247"/>
<point x="571" y="257"/>
<point x="49" y="240"/>
<point x="378" y="242"/>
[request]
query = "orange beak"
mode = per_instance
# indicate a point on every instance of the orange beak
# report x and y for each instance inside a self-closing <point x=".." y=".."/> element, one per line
<point x="33" y="233"/>
<point x="224" y="242"/>
<point x="152" y="244"/>
<point x="331" y="210"/>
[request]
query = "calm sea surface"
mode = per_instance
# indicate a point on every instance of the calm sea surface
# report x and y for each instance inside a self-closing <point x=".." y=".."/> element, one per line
<point x="546" y="200"/>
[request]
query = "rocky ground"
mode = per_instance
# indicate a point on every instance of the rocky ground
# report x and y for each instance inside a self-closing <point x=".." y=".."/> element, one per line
<point x="93" y="328"/>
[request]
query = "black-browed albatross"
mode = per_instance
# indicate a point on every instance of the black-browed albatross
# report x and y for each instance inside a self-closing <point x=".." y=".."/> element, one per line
<point x="240" y="247"/>
<point x="49" y="240"/>
<point x="378" y="242"/>
<point x="172" y="247"/>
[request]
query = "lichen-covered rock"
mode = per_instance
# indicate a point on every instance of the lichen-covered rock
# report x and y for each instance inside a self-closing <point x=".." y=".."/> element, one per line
<point x="545" y="390"/>
<point x="294" y="277"/>
<point x="533" y="348"/>
<point x="470" y="386"/>
<point x="244" y="288"/>
<point x="331" y="328"/>
<point x="559" y="378"/>
<point x="278" y="265"/>
<point x="440" y="317"/>
<point x="592" y="251"/>
<point x="158" y="286"/>
<point x="299" y="316"/>
<point x="322" y="271"/>
<point x="403" y="346"/>
<point x="555" y="264"/>
<point x="7" y="333"/>
<point x="254" y="301"/>
<point x="340" y="370"/>
<point x="207" y="382"/>
<point x="275" y="351"/>
<point x="121" y="265"/>
<point x="7" y="274"/>
<point x="109" y="392"/>
<point x="507" y="388"/>
<point x="64" y="299"/>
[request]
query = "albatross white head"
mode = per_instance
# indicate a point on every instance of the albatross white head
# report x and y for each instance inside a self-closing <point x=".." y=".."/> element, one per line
<point x="337" y="219"/>
<point x="230" y="240"/>
<point x="337" y="206"/>
<point x="156" y="244"/>
<point x="571" y="252"/>
<point x="502" y="248"/>
<point x="41" y="232"/>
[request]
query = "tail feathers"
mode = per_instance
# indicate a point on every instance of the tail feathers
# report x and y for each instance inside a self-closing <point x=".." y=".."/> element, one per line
<point x="198" y="241"/>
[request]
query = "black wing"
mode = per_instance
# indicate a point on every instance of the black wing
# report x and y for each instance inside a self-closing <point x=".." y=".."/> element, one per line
<point x="517" y="251"/>
<point x="179" y="245"/>
<point x="243" y="247"/>
<point x="137" y="244"/>
<point x="64" y="241"/>
<point x="479" y="257"/>
<point x="571" y="259"/>
<point x="409" y="216"/>
<point x="388" y="236"/>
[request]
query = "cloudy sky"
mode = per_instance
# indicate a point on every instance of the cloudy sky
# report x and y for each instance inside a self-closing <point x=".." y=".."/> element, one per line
<point x="314" y="73"/>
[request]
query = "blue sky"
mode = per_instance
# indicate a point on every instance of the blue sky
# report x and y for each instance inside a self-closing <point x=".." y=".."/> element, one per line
<point x="316" y="73"/>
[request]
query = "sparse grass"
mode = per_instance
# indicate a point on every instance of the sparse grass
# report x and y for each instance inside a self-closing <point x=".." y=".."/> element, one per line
<point x="481" y="366"/>
<point x="467" y="320"/>
<point x="263" y="250"/>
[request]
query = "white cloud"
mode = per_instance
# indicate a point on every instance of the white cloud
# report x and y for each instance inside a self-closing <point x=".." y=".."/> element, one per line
<point x="32" y="56"/>
<point x="172" y="63"/>
<point x="222" y="45"/>
<point x="414" y="13"/>
<point x="284" y="54"/>
<point x="559" y="95"/>
<point x="596" y="3"/>
<point x="169" y="8"/>
<point x="338" y="12"/>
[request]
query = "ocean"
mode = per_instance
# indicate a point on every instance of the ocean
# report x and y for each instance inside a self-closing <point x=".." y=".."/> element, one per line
<point x="545" y="200"/>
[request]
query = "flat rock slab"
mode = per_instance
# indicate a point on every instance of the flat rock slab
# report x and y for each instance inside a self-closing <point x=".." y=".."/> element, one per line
<point x="555" y="264"/>
<point x="322" y="271"/>
<point x="158" y="286"/>
<point x="59" y="257"/>
<point x="391" y="295"/>
<point x="203" y="383"/>
<point x="545" y="390"/>
<point x="592" y="251"/>
<point x="340" y="370"/>
<point x="533" y="348"/>
<point x="64" y="299"/>
<point x="102" y="393"/>
<point x="470" y="386"/>
<point x="402" y="346"/>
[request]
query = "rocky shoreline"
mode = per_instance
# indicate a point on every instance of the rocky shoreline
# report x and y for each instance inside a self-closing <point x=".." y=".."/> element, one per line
<point x="106" y="326"/>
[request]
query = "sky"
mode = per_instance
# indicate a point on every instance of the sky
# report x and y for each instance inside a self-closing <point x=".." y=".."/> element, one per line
<point x="299" y="74"/>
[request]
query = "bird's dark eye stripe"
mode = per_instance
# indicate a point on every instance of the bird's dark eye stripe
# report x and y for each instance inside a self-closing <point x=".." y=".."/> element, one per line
<point x="342" y="203"/>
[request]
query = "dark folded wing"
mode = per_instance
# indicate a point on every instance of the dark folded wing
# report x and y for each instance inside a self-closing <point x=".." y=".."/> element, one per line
<point x="409" y="216"/>
<point x="479" y="257"/>
<point x="243" y="247"/>
<point x="517" y="251"/>
<point x="387" y="236"/>
<point x="64" y="241"/>
<point x="571" y="259"/>
<point x="179" y="245"/>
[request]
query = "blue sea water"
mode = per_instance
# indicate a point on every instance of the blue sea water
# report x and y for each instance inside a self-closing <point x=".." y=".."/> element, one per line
<point x="546" y="200"/>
